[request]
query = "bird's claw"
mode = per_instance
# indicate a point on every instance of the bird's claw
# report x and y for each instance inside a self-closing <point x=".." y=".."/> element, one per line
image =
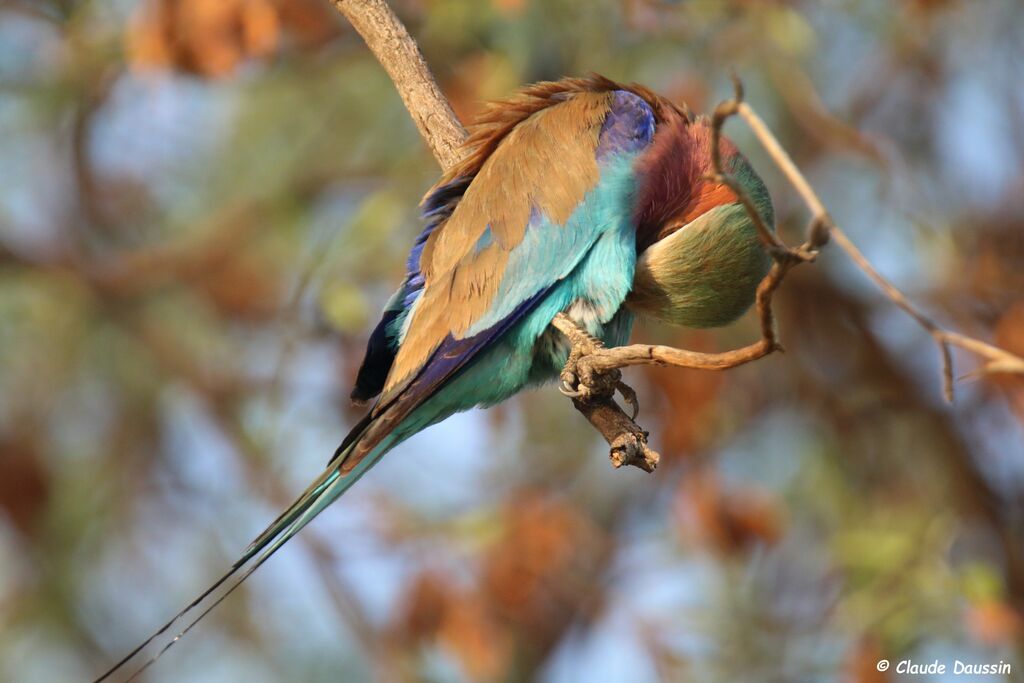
<point x="585" y="385"/>
<point x="629" y="396"/>
<point x="566" y="389"/>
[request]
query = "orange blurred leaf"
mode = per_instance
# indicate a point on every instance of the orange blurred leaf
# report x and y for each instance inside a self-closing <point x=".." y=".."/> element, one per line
<point x="993" y="622"/>
<point x="509" y="7"/>
<point x="483" y="647"/>
<point x="212" y="38"/>
<point x="424" y="607"/>
<point x="541" y="572"/>
<point x="688" y="396"/>
<point x="728" y="521"/>
<point x="260" y="27"/>
<point x="243" y="286"/>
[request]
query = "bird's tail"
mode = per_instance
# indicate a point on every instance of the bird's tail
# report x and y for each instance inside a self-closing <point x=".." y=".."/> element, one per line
<point x="327" y="488"/>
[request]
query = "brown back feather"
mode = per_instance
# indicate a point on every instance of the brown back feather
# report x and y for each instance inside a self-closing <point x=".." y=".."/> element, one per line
<point x="499" y="118"/>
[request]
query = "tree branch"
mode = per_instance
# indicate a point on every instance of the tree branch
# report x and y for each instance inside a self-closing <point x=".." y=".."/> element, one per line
<point x="592" y="376"/>
<point x="398" y="53"/>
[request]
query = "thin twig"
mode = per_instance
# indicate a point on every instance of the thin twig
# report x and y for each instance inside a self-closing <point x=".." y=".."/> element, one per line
<point x="782" y="158"/>
<point x="722" y="113"/>
<point x="822" y="225"/>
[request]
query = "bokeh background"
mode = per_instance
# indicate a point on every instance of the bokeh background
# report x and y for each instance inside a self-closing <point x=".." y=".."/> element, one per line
<point x="203" y="205"/>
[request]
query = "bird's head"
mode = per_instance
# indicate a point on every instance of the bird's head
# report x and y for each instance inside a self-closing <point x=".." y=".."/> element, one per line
<point x="699" y="256"/>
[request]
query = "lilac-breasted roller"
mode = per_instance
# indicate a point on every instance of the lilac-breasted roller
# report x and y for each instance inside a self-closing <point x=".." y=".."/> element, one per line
<point x="581" y="196"/>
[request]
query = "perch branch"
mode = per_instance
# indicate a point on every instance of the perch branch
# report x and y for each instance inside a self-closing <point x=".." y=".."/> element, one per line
<point x="592" y="375"/>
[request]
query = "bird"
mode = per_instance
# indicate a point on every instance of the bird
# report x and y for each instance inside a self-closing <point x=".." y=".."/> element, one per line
<point x="582" y="196"/>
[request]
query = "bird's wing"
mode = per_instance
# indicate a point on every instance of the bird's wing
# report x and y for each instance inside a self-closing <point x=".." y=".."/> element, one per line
<point x="475" y="268"/>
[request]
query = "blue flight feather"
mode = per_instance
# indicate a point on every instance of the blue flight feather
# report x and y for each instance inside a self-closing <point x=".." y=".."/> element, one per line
<point x="383" y="342"/>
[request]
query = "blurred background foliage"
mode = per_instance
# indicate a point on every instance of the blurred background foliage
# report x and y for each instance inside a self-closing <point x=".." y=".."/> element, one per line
<point x="204" y="203"/>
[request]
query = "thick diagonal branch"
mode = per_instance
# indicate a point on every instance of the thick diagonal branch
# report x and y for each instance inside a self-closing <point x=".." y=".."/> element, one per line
<point x="398" y="53"/>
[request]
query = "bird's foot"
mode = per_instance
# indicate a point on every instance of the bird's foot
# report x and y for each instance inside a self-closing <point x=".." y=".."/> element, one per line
<point x="581" y="341"/>
<point x="604" y="384"/>
<point x="578" y="380"/>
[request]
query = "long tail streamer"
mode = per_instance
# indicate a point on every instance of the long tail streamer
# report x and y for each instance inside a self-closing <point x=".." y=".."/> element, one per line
<point x="324" y="491"/>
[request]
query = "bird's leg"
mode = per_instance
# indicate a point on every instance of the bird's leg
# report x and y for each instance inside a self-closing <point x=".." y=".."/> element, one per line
<point x="579" y="380"/>
<point x="581" y="343"/>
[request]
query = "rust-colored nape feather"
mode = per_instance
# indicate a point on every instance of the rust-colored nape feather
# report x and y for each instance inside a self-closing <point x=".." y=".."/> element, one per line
<point x="673" y="190"/>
